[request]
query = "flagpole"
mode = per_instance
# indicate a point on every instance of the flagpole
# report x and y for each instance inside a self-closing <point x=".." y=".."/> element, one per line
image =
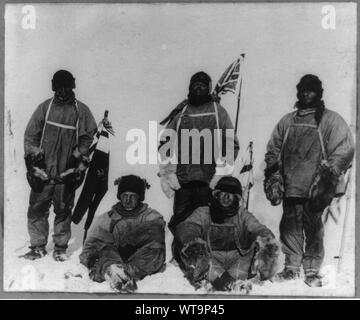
<point x="251" y="162"/>
<point x="239" y="95"/>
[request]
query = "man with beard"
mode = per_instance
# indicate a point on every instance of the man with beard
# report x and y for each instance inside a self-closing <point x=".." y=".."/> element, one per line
<point x="308" y="151"/>
<point x="189" y="179"/>
<point x="56" y="141"/>
<point x="223" y="244"/>
<point x="128" y="242"/>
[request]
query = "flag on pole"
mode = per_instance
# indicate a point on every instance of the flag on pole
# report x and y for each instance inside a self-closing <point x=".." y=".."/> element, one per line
<point x="96" y="182"/>
<point x="246" y="174"/>
<point x="230" y="78"/>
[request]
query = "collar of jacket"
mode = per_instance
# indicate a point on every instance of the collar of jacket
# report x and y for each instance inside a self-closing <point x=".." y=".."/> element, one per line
<point x="122" y="213"/>
<point x="71" y="100"/>
<point x="311" y="109"/>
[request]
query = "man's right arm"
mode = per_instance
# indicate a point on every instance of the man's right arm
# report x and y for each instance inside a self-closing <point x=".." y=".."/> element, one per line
<point x="98" y="238"/>
<point x="275" y="143"/>
<point x="191" y="229"/>
<point x="34" y="129"/>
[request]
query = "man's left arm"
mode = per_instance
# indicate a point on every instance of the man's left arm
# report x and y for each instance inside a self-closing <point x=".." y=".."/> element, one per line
<point x="255" y="227"/>
<point x="87" y="130"/>
<point x="339" y="144"/>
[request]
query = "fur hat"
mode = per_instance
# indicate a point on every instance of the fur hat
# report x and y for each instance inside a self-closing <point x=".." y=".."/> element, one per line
<point x="201" y="77"/>
<point x="62" y="78"/>
<point x="229" y="184"/>
<point x="312" y="83"/>
<point x="132" y="183"/>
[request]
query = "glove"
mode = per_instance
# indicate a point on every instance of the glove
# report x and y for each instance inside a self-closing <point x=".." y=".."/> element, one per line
<point x="274" y="185"/>
<point x="224" y="282"/>
<point x="323" y="189"/>
<point x="169" y="183"/>
<point x="266" y="257"/>
<point x="78" y="162"/>
<point x="36" y="175"/>
<point x="241" y="286"/>
<point x="118" y="279"/>
<point x="74" y="176"/>
<point x="196" y="260"/>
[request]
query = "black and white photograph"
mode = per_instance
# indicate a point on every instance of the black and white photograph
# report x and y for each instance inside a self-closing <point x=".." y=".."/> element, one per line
<point x="202" y="149"/>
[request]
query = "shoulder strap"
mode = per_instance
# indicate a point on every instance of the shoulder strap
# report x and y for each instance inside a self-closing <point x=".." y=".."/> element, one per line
<point x="60" y="125"/>
<point x="46" y="120"/>
<point x="286" y="136"/>
<point x="179" y="120"/>
<point x="323" y="151"/>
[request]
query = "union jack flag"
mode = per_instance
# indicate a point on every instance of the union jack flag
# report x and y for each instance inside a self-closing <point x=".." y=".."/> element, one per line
<point x="229" y="79"/>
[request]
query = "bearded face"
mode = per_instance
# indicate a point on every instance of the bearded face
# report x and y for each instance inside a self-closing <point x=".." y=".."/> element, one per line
<point x="63" y="94"/>
<point x="198" y="93"/>
<point x="306" y="98"/>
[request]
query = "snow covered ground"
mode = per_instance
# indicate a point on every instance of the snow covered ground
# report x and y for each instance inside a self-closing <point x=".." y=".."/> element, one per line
<point x="71" y="276"/>
<point x="138" y="67"/>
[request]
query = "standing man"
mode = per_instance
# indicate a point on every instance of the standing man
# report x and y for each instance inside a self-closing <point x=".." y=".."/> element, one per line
<point x="57" y="140"/>
<point x="189" y="180"/>
<point x="308" y="151"/>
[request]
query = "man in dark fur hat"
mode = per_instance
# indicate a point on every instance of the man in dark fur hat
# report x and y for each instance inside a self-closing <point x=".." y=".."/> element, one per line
<point x="308" y="151"/>
<point x="126" y="243"/>
<point x="223" y="244"/>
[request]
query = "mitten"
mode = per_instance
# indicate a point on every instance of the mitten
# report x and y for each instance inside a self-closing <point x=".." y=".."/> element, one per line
<point x="224" y="282"/>
<point x="196" y="259"/>
<point x="241" y="286"/>
<point x="168" y="179"/>
<point x="323" y="189"/>
<point x="266" y="257"/>
<point x="74" y="176"/>
<point x="36" y="175"/>
<point x="118" y="279"/>
<point x="274" y="185"/>
<point x="169" y="184"/>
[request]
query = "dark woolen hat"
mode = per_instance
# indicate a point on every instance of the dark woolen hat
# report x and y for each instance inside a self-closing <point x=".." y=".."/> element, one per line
<point x="62" y="79"/>
<point x="201" y="77"/>
<point x="132" y="183"/>
<point x="229" y="184"/>
<point x="312" y="83"/>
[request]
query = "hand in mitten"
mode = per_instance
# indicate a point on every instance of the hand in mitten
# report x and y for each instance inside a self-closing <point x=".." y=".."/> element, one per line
<point x="323" y="189"/>
<point x="224" y="282"/>
<point x="266" y="257"/>
<point x="169" y="184"/>
<point x="36" y="175"/>
<point x="75" y="174"/>
<point x="119" y="280"/>
<point x="241" y="286"/>
<point x="274" y="185"/>
<point x="78" y="162"/>
<point x="196" y="259"/>
<point x="35" y="164"/>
